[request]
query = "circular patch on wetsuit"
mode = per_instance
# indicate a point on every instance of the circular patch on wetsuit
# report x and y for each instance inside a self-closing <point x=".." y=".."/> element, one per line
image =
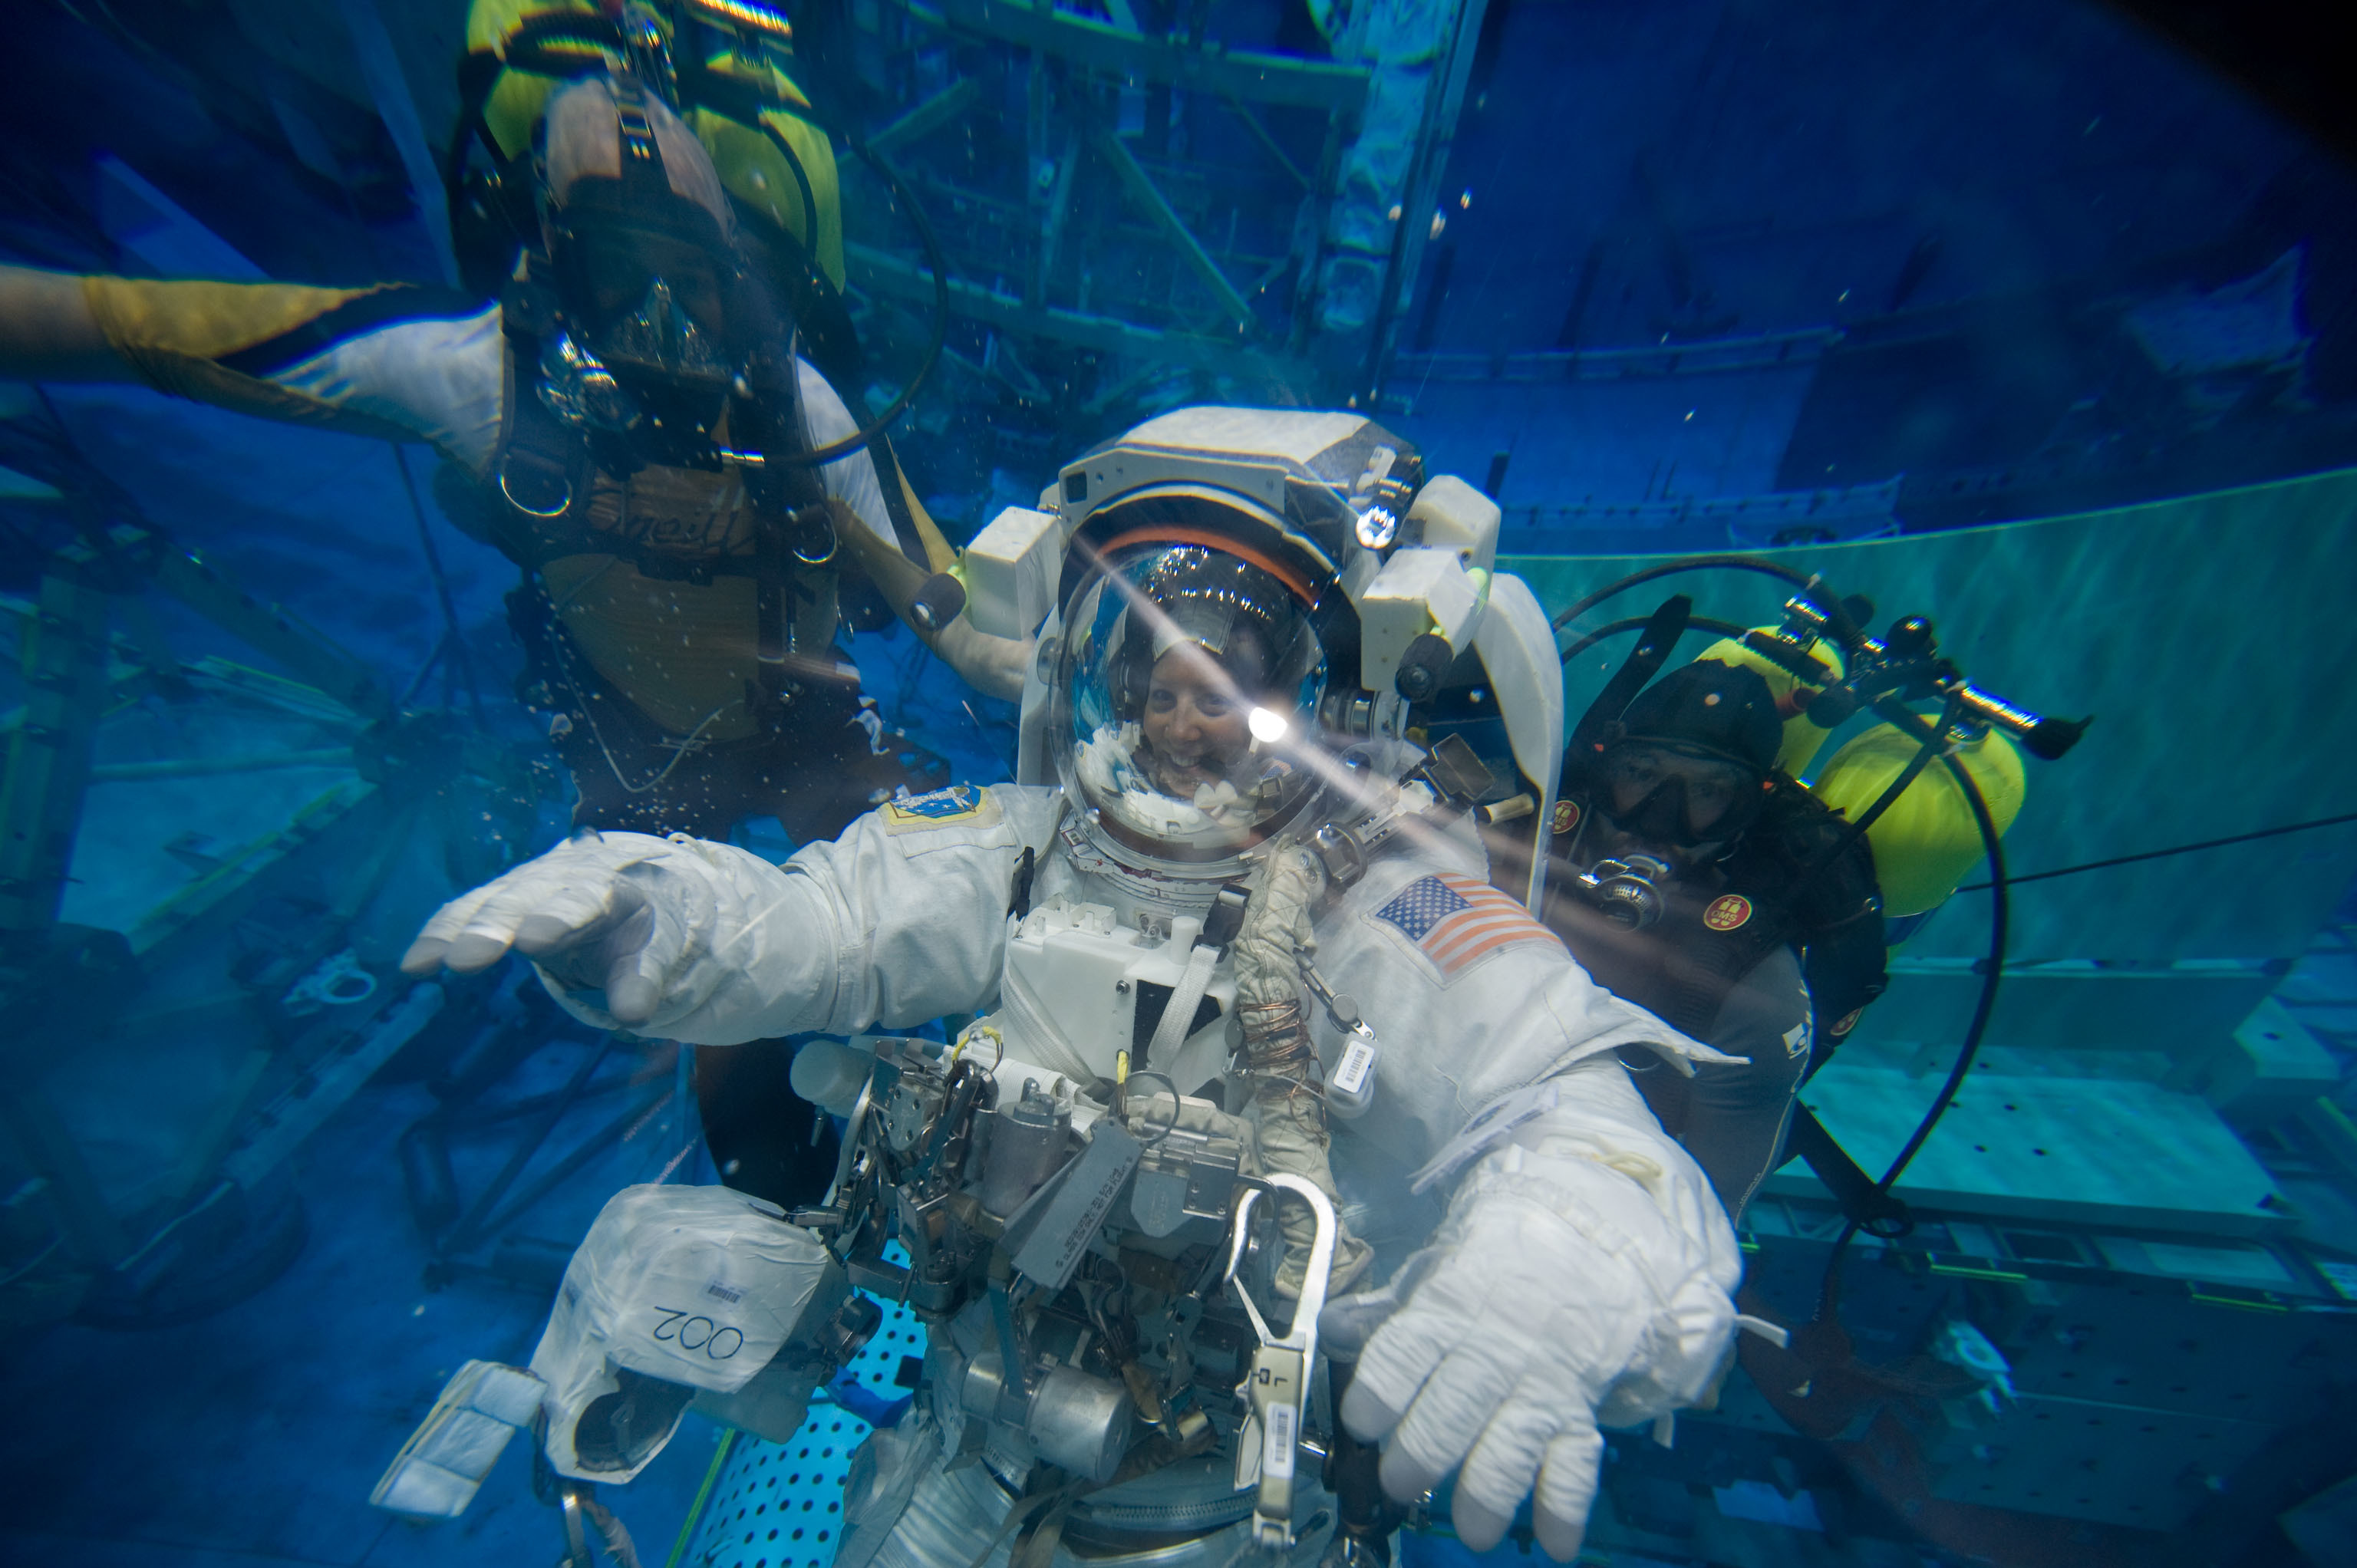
<point x="1726" y="912"/>
<point x="1846" y="1023"/>
<point x="1567" y="816"/>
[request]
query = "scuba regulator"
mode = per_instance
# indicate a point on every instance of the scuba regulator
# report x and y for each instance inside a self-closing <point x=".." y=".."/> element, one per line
<point x="1627" y="891"/>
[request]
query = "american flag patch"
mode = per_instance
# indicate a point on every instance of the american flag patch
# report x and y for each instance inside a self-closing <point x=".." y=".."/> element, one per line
<point x="1457" y="921"/>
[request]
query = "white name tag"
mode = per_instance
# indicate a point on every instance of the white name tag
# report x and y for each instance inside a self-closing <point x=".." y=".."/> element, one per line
<point x="1350" y="1072"/>
<point x="1276" y="1453"/>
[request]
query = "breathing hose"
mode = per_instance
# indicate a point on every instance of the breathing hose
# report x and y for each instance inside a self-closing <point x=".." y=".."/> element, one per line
<point x="1694" y="623"/>
<point x="935" y="262"/>
<point x="1687" y="563"/>
<point x="1992" y="971"/>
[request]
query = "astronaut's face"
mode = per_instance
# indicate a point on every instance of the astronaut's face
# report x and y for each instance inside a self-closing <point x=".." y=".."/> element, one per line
<point x="1195" y="721"/>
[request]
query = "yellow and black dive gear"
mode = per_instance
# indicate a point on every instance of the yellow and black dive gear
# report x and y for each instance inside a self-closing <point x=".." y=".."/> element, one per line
<point x="1927" y="841"/>
<point x="1781" y="856"/>
<point x="722" y="67"/>
<point x="736" y="94"/>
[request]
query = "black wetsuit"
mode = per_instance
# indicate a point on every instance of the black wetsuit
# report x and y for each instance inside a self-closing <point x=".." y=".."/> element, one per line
<point x="1736" y="999"/>
<point x="1733" y="1119"/>
<point x="1769" y="956"/>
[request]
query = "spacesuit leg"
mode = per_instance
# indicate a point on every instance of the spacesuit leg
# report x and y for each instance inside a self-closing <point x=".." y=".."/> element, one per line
<point x="950" y="1519"/>
<point x="954" y="1516"/>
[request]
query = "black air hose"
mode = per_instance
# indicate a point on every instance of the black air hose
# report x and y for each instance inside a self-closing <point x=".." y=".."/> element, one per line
<point x="1687" y="563"/>
<point x="1694" y="623"/>
<point x="1992" y="971"/>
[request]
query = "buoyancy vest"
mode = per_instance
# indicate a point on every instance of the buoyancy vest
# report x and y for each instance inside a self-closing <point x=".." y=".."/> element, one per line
<point x="694" y="588"/>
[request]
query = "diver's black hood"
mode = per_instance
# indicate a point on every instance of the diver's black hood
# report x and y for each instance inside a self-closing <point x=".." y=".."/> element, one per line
<point x="1711" y="709"/>
<point x="1708" y="709"/>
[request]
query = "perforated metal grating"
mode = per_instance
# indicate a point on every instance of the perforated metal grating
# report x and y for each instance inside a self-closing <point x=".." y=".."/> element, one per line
<point x="780" y="1505"/>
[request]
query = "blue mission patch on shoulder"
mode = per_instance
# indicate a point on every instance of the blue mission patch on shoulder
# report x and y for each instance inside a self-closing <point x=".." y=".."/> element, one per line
<point x="960" y="805"/>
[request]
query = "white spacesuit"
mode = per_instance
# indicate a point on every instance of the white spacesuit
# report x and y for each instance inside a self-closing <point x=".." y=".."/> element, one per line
<point x="1246" y="882"/>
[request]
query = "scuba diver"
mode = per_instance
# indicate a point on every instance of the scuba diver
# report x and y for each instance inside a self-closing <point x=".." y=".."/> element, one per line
<point x="631" y="423"/>
<point x="1689" y="881"/>
<point x="1696" y="875"/>
<point x="1266" y="1076"/>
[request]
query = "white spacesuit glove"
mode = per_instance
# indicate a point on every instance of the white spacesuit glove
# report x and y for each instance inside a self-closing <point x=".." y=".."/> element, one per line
<point x="628" y="930"/>
<point x="1581" y="1278"/>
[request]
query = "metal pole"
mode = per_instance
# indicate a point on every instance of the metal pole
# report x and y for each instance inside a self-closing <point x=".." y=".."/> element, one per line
<point x="1421" y="196"/>
<point x="458" y="659"/>
<point x="64" y="664"/>
<point x="464" y="1235"/>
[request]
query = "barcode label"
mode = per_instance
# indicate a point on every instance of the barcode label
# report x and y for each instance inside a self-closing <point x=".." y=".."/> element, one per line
<point x="1277" y="1453"/>
<point x="1351" y="1073"/>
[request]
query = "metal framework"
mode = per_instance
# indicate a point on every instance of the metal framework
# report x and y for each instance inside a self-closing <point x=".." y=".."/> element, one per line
<point x="1124" y="209"/>
<point x="62" y="982"/>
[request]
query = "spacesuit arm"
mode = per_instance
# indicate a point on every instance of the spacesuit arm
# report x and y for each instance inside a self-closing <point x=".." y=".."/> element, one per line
<point x="898" y="920"/>
<point x="1583" y="1271"/>
<point x="1582" y="1279"/>
<point x="388" y="360"/>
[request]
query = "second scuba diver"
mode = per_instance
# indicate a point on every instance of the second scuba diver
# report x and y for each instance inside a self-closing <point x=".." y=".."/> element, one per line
<point x="631" y="423"/>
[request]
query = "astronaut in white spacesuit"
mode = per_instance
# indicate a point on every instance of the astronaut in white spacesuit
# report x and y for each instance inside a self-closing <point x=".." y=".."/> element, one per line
<point x="1243" y="870"/>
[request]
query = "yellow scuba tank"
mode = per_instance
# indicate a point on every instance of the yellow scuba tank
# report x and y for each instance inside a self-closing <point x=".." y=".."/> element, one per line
<point x="749" y="165"/>
<point x="1803" y="736"/>
<point x="1927" y="841"/>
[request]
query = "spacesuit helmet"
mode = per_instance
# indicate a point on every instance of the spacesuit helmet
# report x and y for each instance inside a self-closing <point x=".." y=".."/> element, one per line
<point x="1186" y="695"/>
<point x="662" y="314"/>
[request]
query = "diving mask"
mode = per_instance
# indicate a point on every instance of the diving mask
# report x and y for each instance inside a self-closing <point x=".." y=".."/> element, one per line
<point x="1666" y="794"/>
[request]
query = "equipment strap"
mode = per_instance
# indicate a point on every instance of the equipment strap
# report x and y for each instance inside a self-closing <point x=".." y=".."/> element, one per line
<point x="1652" y="650"/>
<point x="1863" y="1201"/>
<point x="895" y="502"/>
<point x="1179" y="1016"/>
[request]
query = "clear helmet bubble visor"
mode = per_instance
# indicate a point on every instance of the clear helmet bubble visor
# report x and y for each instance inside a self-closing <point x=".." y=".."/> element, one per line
<point x="1186" y="700"/>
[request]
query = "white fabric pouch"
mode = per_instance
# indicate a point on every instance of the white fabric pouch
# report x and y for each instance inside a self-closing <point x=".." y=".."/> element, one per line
<point x="676" y="1289"/>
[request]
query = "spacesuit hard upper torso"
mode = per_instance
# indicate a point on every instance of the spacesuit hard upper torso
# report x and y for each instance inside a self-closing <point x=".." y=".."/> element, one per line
<point x="905" y="917"/>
